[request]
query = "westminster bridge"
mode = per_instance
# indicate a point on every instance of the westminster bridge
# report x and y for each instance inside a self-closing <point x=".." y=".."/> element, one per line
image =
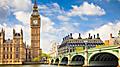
<point x="98" y="56"/>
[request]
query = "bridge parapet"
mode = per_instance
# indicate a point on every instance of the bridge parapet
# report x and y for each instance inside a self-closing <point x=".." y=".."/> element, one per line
<point x="113" y="49"/>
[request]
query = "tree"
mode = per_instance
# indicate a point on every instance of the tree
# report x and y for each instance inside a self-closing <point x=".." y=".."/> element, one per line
<point x="43" y="55"/>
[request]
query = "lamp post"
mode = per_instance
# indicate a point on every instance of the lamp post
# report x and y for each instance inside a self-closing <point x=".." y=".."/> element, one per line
<point x="86" y="53"/>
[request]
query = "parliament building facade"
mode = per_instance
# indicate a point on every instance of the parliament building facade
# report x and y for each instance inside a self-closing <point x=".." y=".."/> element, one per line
<point x="15" y="51"/>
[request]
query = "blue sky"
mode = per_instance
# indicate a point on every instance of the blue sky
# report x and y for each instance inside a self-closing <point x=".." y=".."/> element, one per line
<point x="61" y="17"/>
<point x="111" y="7"/>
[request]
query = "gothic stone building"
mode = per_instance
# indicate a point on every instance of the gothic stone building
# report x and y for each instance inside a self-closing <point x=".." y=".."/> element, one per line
<point x="12" y="51"/>
<point x="15" y="51"/>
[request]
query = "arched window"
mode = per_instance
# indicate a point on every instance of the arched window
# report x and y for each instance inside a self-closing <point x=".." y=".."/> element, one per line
<point x="17" y="48"/>
<point x="16" y="55"/>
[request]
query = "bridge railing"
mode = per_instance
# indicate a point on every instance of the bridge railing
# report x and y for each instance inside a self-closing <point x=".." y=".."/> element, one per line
<point x="97" y="48"/>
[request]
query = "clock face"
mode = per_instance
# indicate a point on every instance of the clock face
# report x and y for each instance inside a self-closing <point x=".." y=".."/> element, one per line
<point x="35" y="22"/>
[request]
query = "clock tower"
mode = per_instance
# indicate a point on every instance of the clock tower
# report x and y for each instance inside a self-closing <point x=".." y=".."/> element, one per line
<point x="35" y="32"/>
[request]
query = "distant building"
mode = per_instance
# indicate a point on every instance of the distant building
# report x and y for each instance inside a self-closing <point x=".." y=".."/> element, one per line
<point x="54" y="50"/>
<point x="106" y="42"/>
<point x="28" y="53"/>
<point x="114" y="40"/>
<point x="69" y="44"/>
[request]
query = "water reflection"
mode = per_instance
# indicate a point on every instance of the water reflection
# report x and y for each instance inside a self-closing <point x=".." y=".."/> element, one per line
<point x="35" y="66"/>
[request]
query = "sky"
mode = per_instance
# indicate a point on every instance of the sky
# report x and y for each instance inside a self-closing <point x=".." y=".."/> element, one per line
<point x="59" y="18"/>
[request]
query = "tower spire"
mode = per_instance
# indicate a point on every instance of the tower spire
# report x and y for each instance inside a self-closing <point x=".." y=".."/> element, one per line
<point x="35" y="9"/>
<point x="35" y="4"/>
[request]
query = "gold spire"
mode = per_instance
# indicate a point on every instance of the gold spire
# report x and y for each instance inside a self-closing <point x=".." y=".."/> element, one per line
<point x="35" y="4"/>
<point x="35" y="9"/>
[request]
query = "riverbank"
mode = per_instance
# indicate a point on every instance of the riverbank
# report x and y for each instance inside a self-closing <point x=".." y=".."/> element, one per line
<point x="40" y="65"/>
<point x="33" y="63"/>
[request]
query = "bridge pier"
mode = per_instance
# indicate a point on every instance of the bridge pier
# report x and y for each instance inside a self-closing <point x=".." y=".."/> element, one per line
<point x="119" y="58"/>
<point x="69" y="59"/>
<point x="86" y="57"/>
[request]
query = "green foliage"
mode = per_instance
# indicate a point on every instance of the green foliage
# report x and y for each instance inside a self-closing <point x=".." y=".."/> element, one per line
<point x="36" y="59"/>
<point x="41" y="56"/>
<point x="45" y="55"/>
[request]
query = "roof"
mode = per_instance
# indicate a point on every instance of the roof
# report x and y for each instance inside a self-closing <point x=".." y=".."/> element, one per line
<point x="17" y="34"/>
<point x="80" y="42"/>
<point x="8" y="41"/>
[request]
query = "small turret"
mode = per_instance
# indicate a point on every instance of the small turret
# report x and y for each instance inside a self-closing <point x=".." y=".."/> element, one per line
<point x="89" y="36"/>
<point x="2" y="30"/>
<point x="13" y="32"/>
<point x="63" y="39"/>
<point x="98" y="36"/>
<point x="2" y="35"/>
<point x="21" y="32"/>
<point x="71" y="36"/>
<point x="94" y="36"/>
<point x="68" y="36"/>
<point x="119" y="33"/>
<point x="79" y="36"/>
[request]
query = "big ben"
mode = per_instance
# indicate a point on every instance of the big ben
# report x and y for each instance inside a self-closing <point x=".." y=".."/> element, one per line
<point x="35" y="31"/>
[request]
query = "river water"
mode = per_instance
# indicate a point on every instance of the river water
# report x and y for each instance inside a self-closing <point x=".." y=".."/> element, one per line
<point x="35" y="66"/>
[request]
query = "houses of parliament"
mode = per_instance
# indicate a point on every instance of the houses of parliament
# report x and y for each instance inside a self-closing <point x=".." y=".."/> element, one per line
<point x="15" y="51"/>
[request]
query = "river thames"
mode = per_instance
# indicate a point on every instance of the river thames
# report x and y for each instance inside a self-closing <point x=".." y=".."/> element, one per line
<point x="35" y="66"/>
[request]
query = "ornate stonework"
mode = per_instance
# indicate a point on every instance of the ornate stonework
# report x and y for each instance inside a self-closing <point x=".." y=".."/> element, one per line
<point x="35" y="32"/>
<point x="14" y="51"/>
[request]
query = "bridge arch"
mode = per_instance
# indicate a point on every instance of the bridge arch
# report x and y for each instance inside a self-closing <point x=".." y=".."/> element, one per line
<point x="109" y="51"/>
<point x="77" y="60"/>
<point x="103" y="59"/>
<point x="64" y="61"/>
<point x="57" y="61"/>
<point x="52" y="61"/>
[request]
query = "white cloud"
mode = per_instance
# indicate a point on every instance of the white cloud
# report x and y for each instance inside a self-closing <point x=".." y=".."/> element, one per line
<point x="42" y="7"/>
<point x="51" y="9"/>
<point x="4" y="3"/>
<point x="46" y="39"/>
<point x="9" y="31"/>
<point x="63" y="18"/>
<point x="86" y="9"/>
<point x="47" y="25"/>
<point x="108" y="0"/>
<point x="23" y="17"/>
<point x="106" y="29"/>
<point x="19" y="5"/>
<point x="46" y="28"/>
<point x="16" y="7"/>
<point x="4" y="10"/>
<point x="83" y="18"/>
<point x="50" y="33"/>
<point x="55" y="5"/>
<point x="22" y="11"/>
<point x="68" y="27"/>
